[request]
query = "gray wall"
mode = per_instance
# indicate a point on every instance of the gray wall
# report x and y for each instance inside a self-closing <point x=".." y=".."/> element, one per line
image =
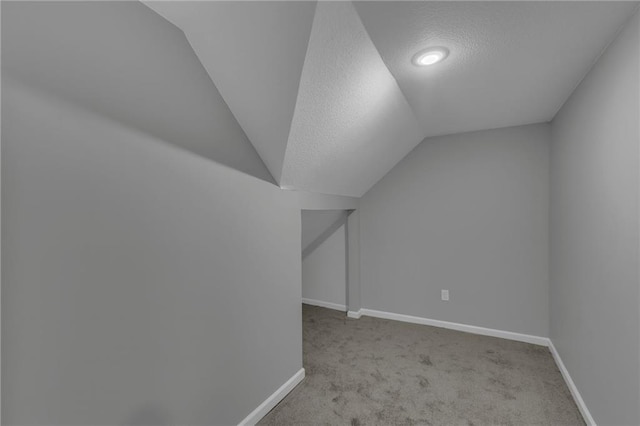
<point x="468" y="213"/>
<point x="594" y="233"/>
<point x="315" y="223"/>
<point x="142" y="283"/>
<point x="324" y="270"/>
<point x="353" y="262"/>
<point x="122" y="60"/>
<point x="314" y="201"/>
<point x="324" y="256"/>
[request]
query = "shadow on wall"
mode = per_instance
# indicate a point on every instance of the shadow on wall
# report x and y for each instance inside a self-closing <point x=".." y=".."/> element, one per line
<point x="318" y="226"/>
<point x="123" y="61"/>
<point x="325" y="258"/>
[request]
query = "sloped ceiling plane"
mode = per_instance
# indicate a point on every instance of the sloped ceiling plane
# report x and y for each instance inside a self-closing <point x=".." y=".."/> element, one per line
<point x="328" y="96"/>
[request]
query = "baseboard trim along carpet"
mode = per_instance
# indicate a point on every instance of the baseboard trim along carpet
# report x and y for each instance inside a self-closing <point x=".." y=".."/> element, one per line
<point x="572" y="386"/>
<point x="354" y="314"/>
<point x="273" y="400"/>
<point x="323" y="304"/>
<point x="527" y="338"/>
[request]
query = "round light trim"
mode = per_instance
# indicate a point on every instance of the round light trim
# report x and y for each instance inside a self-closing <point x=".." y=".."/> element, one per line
<point x="430" y="56"/>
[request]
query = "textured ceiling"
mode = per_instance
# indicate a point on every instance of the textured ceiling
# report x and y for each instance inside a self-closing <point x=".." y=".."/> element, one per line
<point x="511" y="63"/>
<point x="327" y="94"/>
<point x="351" y="123"/>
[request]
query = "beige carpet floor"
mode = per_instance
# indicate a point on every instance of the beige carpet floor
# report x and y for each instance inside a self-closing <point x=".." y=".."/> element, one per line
<point x="372" y="371"/>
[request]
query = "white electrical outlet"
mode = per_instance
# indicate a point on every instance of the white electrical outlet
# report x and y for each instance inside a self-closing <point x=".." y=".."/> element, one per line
<point x="444" y="294"/>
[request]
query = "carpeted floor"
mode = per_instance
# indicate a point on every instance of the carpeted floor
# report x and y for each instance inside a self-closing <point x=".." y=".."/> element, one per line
<point x="379" y="372"/>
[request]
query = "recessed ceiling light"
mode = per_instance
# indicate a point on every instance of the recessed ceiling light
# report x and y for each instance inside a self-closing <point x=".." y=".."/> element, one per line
<point x="430" y="56"/>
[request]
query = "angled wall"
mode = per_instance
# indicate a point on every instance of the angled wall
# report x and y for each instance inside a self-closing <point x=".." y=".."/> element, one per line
<point x="127" y="63"/>
<point x="595" y="322"/>
<point x="315" y="225"/>
<point x="324" y="273"/>
<point x="142" y="282"/>
<point x="254" y="52"/>
<point x="467" y="213"/>
<point x="324" y="258"/>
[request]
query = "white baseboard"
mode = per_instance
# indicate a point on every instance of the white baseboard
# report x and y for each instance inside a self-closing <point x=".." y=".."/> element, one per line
<point x="527" y="338"/>
<point x="354" y="314"/>
<point x="323" y="304"/>
<point x="273" y="400"/>
<point x="572" y="386"/>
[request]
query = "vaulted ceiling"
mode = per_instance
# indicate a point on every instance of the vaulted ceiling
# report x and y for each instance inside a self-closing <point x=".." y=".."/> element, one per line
<point x="327" y="94"/>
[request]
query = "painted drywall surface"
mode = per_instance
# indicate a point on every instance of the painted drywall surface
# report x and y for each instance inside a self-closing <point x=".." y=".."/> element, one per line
<point x="141" y="283"/>
<point x="494" y="76"/>
<point x="467" y="213"/>
<point x="254" y="52"/>
<point x="0" y="221"/>
<point x="351" y="123"/>
<point x="316" y="222"/>
<point x="315" y="201"/>
<point x="324" y="273"/>
<point x="594" y="233"/>
<point x="124" y="61"/>
<point x="353" y="261"/>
